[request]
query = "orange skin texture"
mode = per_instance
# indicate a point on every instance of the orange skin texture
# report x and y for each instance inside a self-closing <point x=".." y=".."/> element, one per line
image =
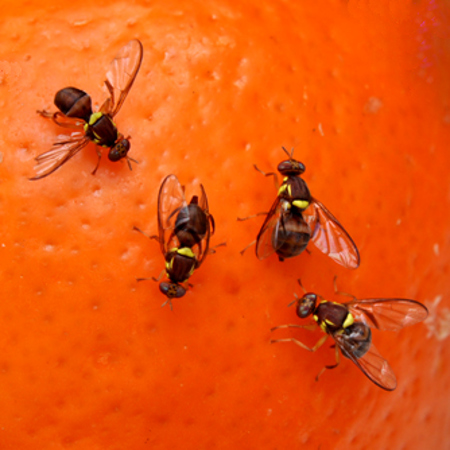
<point x="89" y="359"/>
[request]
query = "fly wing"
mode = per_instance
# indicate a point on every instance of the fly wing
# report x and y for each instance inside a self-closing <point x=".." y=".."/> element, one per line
<point x="63" y="149"/>
<point x="264" y="240"/>
<point x="330" y="237"/>
<point x="205" y="206"/>
<point x="122" y="73"/>
<point x="170" y="200"/>
<point x="388" y="314"/>
<point x="372" y="364"/>
<point x="204" y="247"/>
<point x="203" y="203"/>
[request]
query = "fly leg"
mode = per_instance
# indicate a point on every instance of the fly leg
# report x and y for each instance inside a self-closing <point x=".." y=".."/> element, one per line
<point x="150" y="237"/>
<point x="340" y="292"/>
<point x="129" y="158"/>
<point x="318" y="344"/>
<point x="338" y="361"/>
<point x="212" y="250"/>
<point x="299" y="281"/>
<point x="145" y="234"/>
<point x="152" y="278"/>
<point x="99" y="154"/>
<point x="248" y="246"/>
<point x="209" y="251"/>
<point x="241" y="219"/>
<point x="269" y="174"/>
<point x="56" y="115"/>
<point x="211" y="222"/>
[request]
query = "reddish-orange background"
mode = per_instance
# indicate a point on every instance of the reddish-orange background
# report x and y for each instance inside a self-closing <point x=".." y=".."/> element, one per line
<point x="88" y="358"/>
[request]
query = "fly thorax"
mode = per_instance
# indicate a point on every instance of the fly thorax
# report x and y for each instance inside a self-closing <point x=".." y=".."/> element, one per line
<point x="332" y="316"/>
<point x="102" y="130"/>
<point x="180" y="264"/>
<point x="294" y="189"/>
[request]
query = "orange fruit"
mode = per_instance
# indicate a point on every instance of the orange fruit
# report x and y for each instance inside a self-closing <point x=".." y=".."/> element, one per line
<point x="89" y="358"/>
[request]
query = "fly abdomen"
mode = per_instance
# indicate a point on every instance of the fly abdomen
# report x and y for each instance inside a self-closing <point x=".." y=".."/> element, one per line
<point x="191" y="225"/>
<point x="291" y="236"/>
<point x="74" y="102"/>
<point x="358" y="339"/>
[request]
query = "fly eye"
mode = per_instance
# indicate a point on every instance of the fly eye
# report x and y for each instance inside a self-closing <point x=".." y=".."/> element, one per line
<point x="303" y="310"/>
<point x="120" y="150"/>
<point x="306" y="305"/>
<point x="172" y="290"/>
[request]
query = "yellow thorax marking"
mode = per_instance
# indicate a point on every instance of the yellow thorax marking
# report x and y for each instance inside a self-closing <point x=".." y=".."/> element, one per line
<point x="94" y="117"/>
<point x="186" y="251"/>
<point x="191" y="272"/>
<point x="169" y="264"/>
<point x="301" y="204"/>
<point x="97" y="138"/>
<point x="283" y="187"/>
<point x="349" y="320"/>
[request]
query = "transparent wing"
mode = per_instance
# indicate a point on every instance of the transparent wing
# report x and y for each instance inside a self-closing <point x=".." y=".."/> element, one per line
<point x="122" y="73"/>
<point x="203" y="202"/>
<point x="264" y="245"/>
<point x="205" y="206"/>
<point x="388" y="314"/>
<point x="170" y="200"/>
<point x="330" y="237"/>
<point x="63" y="149"/>
<point x="204" y="248"/>
<point x="372" y="364"/>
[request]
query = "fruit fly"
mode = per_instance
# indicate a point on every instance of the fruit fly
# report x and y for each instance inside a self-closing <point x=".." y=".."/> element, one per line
<point x="296" y="218"/>
<point x="75" y="111"/>
<point x="184" y="231"/>
<point x="349" y="324"/>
